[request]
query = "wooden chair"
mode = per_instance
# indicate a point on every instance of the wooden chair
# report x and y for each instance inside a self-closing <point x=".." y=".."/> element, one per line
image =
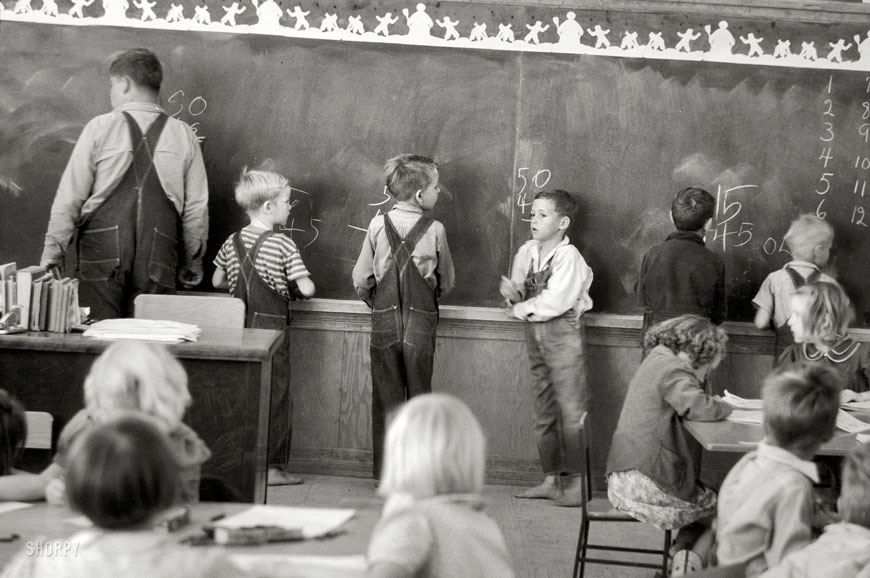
<point x="38" y="430"/>
<point x="601" y="510"/>
<point x="202" y="310"/>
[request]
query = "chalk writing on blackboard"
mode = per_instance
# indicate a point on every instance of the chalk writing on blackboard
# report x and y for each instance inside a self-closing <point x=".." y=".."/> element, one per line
<point x="194" y="108"/>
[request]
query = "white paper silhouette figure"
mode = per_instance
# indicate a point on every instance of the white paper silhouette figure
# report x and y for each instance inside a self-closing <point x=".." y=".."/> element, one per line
<point x="478" y="32"/>
<point x="686" y="39"/>
<point x="176" y="13"/>
<point x="329" y="22"/>
<point x="656" y="42"/>
<point x="299" y="15"/>
<point x="49" y="8"/>
<point x="268" y="13"/>
<point x="76" y="10"/>
<point x="450" y="32"/>
<point x="505" y="33"/>
<point x="808" y="51"/>
<point x="355" y="25"/>
<point x="115" y="9"/>
<point x="721" y="40"/>
<point x="836" y="53"/>
<point x="569" y="30"/>
<point x="863" y="47"/>
<point x="384" y="23"/>
<point x="22" y="7"/>
<point x="147" y="10"/>
<point x="600" y="35"/>
<point x="230" y="13"/>
<point x="534" y="30"/>
<point x="754" y="44"/>
<point x="419" y="23"/>
<point x="783" y="49"/>
<point x="201" y="15"/>
<point x="629" y="41"/>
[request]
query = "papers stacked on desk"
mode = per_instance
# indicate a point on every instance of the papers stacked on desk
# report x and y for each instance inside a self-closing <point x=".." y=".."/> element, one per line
<point x="143" y="329"/>
<point x="311" y="522"/>
<point x="845" y="421"/>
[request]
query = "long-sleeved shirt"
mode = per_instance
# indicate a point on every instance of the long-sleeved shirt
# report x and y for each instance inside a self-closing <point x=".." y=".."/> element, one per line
<point x="777" y="288"/>
<point x="765" y="509"/>
<point x="431" y="255"/>
<point x="842" y="551"/>
<point x="567" y="287"/>
<point x="99" y="160"/>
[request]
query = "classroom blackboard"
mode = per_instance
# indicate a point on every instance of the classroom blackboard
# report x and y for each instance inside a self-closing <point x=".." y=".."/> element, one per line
<point x="622" y="134"/>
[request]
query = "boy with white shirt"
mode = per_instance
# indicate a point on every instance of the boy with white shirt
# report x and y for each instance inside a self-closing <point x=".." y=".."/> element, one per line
<point x="549" y="290"/>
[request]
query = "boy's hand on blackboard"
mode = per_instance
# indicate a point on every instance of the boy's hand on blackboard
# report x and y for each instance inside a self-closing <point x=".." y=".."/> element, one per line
<point x="190" y="274"/>
<point x="509" y="290"/>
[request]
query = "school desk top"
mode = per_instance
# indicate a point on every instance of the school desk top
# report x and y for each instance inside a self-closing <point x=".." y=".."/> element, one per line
<point x="46" y="522"/>
<point x="734" y="437"/>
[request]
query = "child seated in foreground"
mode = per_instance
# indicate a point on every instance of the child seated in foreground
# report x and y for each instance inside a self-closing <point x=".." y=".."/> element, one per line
<point x="766" y="502"/>
<point x="650" y="471"/>
<point x="122" y="475"/>
<point x="433" y="522"/>
<point x="844" y="548"/>
<point x="13" y="434"/>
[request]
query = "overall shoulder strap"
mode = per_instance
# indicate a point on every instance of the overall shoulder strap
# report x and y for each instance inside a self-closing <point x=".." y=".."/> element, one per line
<point x="796" y="278"/>
<point x="417" y="231"/>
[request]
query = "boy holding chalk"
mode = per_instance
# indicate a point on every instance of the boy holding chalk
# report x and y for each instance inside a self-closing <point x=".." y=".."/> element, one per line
<point x="134" y="182"/>
<point x="403" y="270"/>
<point x="549" y="290"/>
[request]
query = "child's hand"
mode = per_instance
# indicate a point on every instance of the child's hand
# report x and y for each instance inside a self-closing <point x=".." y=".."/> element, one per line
<point x="848" y="395"/>
<point x="509" y="311"/>
<point x="55" y="492"/>
<point x="509" y="290"/>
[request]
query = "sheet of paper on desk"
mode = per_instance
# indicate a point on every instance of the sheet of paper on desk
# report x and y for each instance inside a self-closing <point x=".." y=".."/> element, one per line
<point x="856" y="405"/>
<point x="745" y="416"/>
<point x="143" y="329"/>
<point x="281" y="566"/>
<point x="739" y="402"/>
<point x="850" y="424"/>
<point x="12" y="506"/>
<point x="314" y="522"/>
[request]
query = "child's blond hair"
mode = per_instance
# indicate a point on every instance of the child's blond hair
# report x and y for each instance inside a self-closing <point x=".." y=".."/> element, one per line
<point x="434" y="446"/>
<point x="828" y="314"/>
<point x="806" y="233"/>
<point x="137" y="376"/>
<point x="854" y="502"/>
<point x="255" y="187"/>
<point x="406" y="174"/>
<point x="800" y="406"/>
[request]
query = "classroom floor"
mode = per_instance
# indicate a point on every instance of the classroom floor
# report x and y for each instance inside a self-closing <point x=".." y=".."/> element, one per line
<point x="541" y="537"/>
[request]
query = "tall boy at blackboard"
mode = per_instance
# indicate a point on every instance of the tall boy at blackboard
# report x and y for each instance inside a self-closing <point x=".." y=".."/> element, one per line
<point x="404" y="298"/>
<point x="809" y="239"/>
<point x="681" y="275"/>
<point x="549" y="290"/>
<point x="264" y="269"/>
<point x="134" y="182"/>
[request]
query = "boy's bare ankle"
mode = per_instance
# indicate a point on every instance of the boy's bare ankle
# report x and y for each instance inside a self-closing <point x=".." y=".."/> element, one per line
<point x="549" y="489"/>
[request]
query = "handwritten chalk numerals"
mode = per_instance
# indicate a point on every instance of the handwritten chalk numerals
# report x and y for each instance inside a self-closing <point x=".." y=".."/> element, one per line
<point x="194" y="108"/>
<point x="858" y="216"/>
<point x="726" y="225"/>
<point x="826" y="156"/>
<point x="772" y="246"/>
<point x="539" y="180"/>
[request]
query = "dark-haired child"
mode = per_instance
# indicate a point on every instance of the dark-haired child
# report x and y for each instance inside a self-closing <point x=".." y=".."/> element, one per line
<point x="650" y="470"/>
<point x="681" y="276"/>
<point x="549" y="290"/>
<point x="122" y="475"/>
<point x="13" y="433"/>
<point x="404" y="268"/>
<point x="766" y="502"/>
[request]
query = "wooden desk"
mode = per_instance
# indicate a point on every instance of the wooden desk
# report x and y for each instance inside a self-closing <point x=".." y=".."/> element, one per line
<point x="728" y="436"/>
<point x="229" y="376"/>
<point x="46" y="522"/>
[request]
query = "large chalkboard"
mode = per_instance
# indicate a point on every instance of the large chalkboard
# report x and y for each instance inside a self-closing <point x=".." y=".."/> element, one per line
<point x="623" y="134"/>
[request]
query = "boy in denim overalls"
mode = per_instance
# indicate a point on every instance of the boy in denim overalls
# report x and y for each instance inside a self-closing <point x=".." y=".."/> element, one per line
<point x="404" y="298"/>
<point x="549" y="290"/>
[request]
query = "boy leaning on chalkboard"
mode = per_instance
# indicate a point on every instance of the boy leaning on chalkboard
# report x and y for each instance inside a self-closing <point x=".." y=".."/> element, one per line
<point x="404" y="298"/>
<point x="264" y="269"/>
<point x="680" y="275"/>
<point x="809" y="239"/>
<point x="549" y="290"/>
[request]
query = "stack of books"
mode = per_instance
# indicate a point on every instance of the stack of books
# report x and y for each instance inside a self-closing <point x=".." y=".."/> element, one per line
<point x="45" y="301"/>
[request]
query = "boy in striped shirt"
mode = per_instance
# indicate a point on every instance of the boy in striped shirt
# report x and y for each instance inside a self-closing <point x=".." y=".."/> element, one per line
<point x="264" y="269"/>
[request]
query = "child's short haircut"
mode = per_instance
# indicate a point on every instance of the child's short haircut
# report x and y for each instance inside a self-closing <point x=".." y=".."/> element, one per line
<point x="829" y="311"/>
<point x="806" y="233"/>
<point x="13" y="431"/>
<point x="434" y="446"/>
<point x="854" y="502"/>
<point x="121" y="473"/>
<point x="141" y="65"/>
<point x="697" y="336"/>
<point x="691" y="208"/>
<point x="564" y="203"/>
<point x="406" y="174"/>
<point x="255" y="187"/>
<point x="800" y="405"/>
<point x="139" y="376"/>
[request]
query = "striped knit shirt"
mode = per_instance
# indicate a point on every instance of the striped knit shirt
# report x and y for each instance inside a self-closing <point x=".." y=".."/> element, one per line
<point x="278" y="262"/>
